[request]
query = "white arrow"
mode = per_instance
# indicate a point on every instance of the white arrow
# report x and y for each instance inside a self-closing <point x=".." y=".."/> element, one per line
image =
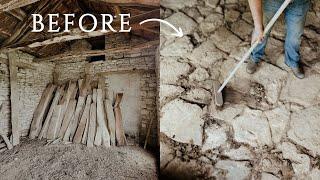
<point x="178" y="32"/>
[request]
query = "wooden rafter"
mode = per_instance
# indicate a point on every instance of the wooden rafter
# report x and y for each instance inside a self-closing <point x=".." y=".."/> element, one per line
<point x="7" y="5"/>
<point x="88" y="53"/>
<point x="131" y="2"/>
<point x="76" y="34"/>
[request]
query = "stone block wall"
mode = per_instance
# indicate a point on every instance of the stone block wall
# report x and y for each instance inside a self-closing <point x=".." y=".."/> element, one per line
<point x="30" y="83"/>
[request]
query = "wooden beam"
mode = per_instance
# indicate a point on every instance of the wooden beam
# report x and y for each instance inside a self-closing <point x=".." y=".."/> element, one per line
<point x="14" y="100"/>
<point x="23" y="25"/>
<point x="76" y="34"/>
<point x="14" y="4"/>
<point x="88" y="53"/>
<point x="131" y="2"/>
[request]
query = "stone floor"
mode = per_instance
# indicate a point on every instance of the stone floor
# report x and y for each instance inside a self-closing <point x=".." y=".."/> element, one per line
<point x="269" y="126"/>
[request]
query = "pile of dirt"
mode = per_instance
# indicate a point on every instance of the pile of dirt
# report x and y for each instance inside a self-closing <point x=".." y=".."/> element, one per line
<point x="34" y="160"/>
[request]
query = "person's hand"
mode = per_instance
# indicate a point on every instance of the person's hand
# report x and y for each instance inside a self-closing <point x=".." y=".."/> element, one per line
<point x="257" y="35"/>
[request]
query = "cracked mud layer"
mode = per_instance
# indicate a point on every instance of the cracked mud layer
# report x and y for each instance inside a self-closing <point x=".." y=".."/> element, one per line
<point x="269" y="126"/>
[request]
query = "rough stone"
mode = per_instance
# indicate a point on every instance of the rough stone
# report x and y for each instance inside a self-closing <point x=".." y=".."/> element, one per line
<point x="228" y="113"/>
<point x="268" y="176"/>
<point x="305" y="92"/>
<point x="179" y="117"/>
<point x="179" y="19"/>
<point x="180" y="47"/>
<point x="225" y="40"/>
<point x="252" y="128"/>
<point x="211" y="23"/>
<point x="240" y="154"/>
<point x="300" y="162"/>
<point x="278" y="119"/>
<point x="305" y="128"/>
<point x="231" y="15"/>
<point x="206" y="54"/>
<point x="235" y="170"/>
<point x="178" y="4"/>
<point x="198" y="95"/>
<point x="212" y="3"/>
<point x="215" y="138"/>
<point x="200" y="74"/>
<point x="171" y="69"/>
<point x="169" y="91"/>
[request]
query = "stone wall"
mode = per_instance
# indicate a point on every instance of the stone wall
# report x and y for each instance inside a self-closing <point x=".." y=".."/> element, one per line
<point x="30" y="83"/>
<point x="269" y="125"/>
<point x="140" y="62"/>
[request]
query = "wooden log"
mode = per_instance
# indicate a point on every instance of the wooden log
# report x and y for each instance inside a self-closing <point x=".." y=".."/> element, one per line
<point x="7" y="141"/>
<point x="14" y="99"/>
<point x="101" y="119"/>
<point x="82" y="124"/>
<point x="67" y="118"/>
<point x="38" y="115"/>
<point x="154" y="3"/>
<point x="13" y="4"/>
<point x="44" y="130"/>
<point x="92" y="125"/>
<point x="120" y="135"/>
<point x="111" y="121"/>
<point x="54" y="123"/>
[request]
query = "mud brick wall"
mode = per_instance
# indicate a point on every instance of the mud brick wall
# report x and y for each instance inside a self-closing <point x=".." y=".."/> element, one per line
<point x="31" y="83"/>
<point x="141" y="62"/>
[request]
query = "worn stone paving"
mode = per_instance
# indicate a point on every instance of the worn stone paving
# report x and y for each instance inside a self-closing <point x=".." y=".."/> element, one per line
<point x="269" y="126"/>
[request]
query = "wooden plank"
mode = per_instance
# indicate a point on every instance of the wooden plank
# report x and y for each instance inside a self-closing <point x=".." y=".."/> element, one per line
<point x="82" y="124"/>
<point x="54" y="123"/>
<point x="68" y="136"/>
<point x="7" y="141"/>
<point x="98" y="135"/>
<point x="44" y="130"/>
<point x="38" y="115"/>
<point x="120" y="135"/>
<point x="67" y="118"/>
<point x="101" y="119"/>
<point x="14" y="99"/>
<point x="92" y="125"/>
<point x="85" y="133"/>
<point x="111" y="121"/>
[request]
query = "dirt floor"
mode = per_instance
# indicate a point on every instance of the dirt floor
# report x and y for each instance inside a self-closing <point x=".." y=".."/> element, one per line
<point x="34" y="160"/>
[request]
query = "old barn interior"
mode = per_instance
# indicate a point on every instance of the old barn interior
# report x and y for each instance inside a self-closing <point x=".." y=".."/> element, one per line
<point x="60" y="90"/>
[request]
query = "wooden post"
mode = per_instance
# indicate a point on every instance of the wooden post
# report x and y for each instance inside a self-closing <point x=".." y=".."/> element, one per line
<point x="14" y="99"/>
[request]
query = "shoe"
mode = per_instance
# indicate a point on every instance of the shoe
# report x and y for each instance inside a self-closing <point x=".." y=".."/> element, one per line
<point x="297" y="71"/>
<point x="251" y="67"/>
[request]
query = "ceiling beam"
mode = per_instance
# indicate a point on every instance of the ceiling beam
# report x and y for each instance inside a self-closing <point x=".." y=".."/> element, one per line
<point x="7" y="5"/>
<point x="155" y="3"/>
<point x="76" y="34"/>
<point x="88" y="53"/>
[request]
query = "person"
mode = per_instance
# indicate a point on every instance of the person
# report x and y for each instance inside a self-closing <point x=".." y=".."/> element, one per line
<point x="295" y="16"/>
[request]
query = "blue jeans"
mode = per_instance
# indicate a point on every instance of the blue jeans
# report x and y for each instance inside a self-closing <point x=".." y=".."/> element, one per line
<point x="295" y="16"/>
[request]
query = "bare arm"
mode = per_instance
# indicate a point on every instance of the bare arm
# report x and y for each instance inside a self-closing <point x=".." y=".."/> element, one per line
<point x="256" y="11"/>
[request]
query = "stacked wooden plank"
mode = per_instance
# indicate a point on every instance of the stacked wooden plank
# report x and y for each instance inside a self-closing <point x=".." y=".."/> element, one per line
<point x="78" y="112"/>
